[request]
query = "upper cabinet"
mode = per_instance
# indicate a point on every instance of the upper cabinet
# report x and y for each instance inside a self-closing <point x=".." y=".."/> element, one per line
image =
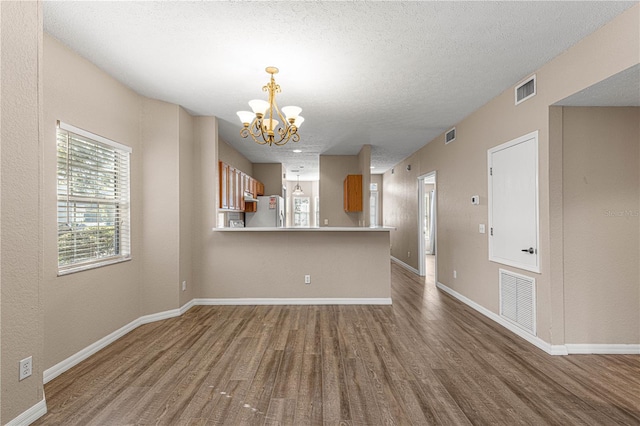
<point x="353" y="193"/>
<point x="233" y="186"/>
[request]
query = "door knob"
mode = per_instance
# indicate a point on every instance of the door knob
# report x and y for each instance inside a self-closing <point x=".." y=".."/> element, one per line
<point x="530" y="250"/>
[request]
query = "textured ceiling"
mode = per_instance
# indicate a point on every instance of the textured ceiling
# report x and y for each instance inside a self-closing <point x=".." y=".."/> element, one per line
<point x="390" y="74"/>
<point x="619" y="90"/>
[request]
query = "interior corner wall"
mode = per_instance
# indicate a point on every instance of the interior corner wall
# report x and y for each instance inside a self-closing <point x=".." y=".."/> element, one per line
<point x="364" y="158"/>
<point x="233" y="157"/>
<point x="601" y="195"/>
<point x="160" y="206"/>
<point x="333" y="170"/>
<point x="377" y="178"/>
<point x="84" y="307"/>
<point x="462" y="171"/>
<point x="270" y="174"/>
<point x="187" y="179"/>
<point x="205" y="204"/>
<point x="21" y="325"/>
<point x="400" y="209"/>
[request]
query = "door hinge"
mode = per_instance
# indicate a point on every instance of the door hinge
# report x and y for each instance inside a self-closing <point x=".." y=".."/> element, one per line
<point x="492" y="232"/>
<point x="490" y="171"/>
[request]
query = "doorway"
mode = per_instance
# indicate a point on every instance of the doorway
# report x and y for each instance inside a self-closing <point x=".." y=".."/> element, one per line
<point x="427" y="226"/>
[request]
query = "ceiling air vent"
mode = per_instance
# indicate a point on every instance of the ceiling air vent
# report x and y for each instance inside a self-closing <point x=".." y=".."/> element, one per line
<point x="526" y="89"/>
<point x="450" y="136"/>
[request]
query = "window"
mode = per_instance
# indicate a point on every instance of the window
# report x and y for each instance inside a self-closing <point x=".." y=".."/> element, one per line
<point x="93" y="200"/>
<point x="301" y="211"/>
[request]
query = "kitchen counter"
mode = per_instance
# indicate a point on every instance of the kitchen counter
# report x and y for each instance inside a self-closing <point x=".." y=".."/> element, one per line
<point x="341" y="265"/>
<point x="300" y="229"/>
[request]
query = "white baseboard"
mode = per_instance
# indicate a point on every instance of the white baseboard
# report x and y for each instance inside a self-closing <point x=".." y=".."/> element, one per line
<point x="294" y="301"/>
<point x="536" y="341"/>
<point x="31" y="415"/>
<point x="53" y="372"/>
<point x="604" y="349"/>
<point x="405" y="266"/>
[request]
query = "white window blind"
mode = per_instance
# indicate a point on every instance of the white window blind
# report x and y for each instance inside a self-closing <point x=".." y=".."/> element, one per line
<point x="93" y="200"/>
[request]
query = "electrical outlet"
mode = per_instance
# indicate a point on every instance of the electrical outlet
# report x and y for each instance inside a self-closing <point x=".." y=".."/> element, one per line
<point x="307" y="279"/>
<point x="455" y="274"/>
<point x="481" y="228"/>
<point x="408" y="254"/>
<point x="326" y="221"/>
<point x="184" y="285"/>
<point x="26" y="368"/>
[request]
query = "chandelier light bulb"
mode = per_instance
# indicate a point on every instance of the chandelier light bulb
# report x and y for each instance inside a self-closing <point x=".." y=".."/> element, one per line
<point x="269" y="125"/>
<point x="298" y="122"/>
<point x="246" y="117"/>
<point x="291" y="112"/>
<point x="259" y="106"/>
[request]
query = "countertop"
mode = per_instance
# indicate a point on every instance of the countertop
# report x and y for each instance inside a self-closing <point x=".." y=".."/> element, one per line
<point x="321" y="229"/>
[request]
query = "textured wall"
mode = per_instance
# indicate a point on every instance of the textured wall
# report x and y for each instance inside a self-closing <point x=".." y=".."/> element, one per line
<point x="270" y="174"/>
<point x="273" y="264"/>
<point x="205" y="201"/>
<point x="378" y="179"/>
<point x="462" y="172"/>
<point x="231" y="156"/>
<point x="186" y="188"/>
<point x="333" y="170"/>
<point x="84" y="307"/>
<point x="160" y="206"/>
<point x="601" y="151"/>
<point x="20" y="212"/>
<point x="364" y="160"/>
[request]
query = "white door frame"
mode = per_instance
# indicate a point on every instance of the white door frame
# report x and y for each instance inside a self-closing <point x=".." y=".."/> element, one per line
<point x="422" y="269"/>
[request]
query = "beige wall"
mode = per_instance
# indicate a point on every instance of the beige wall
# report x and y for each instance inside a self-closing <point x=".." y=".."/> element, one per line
<point x="310" y="189"/>
<point x="462" y="172"/>
<point x="186" y="195"/>
<point x="364" y="160"/>
<point x="333" y="170"/>
<point x="84" y="307"/>
<point x="205" y="201"/>
<point x="20" y="211"/>
<point x="271" y="175"/>
<point x="160" y="206"/>
<point x="601" y="154"/>
<point x="230" y="155"/>
<point x="400" y="210"/>
<point x="280" y="260"/>
<point x="378" y="179"/>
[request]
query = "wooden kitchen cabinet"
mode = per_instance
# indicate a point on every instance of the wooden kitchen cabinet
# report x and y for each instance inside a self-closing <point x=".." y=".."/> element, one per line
<point x="353" y="193"/>
<point x="232" y="188"/>
<point x="233" y="185"/>
<point x="223" y="169"/>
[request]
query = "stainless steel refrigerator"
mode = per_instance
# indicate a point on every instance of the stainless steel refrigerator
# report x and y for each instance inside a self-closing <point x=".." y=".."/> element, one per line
<point x="269" y="214"/>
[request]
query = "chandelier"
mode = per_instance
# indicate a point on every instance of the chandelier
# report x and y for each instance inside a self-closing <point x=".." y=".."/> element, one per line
<point x="262" y="124"/>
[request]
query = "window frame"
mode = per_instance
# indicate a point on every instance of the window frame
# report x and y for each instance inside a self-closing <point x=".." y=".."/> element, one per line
<point x="119" y="205"/>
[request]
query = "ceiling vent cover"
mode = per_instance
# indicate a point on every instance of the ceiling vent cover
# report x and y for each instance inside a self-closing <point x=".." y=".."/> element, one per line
<point x="450" y="136"/>
<point x="518" y="300"/>
<point x="526" y="89"/>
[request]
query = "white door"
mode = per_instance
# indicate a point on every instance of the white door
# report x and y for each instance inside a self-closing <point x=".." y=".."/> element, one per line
<point x="513" y="203"/>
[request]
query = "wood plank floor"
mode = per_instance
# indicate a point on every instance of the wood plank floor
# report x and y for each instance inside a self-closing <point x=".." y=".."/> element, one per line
<point x="428" y="359"/>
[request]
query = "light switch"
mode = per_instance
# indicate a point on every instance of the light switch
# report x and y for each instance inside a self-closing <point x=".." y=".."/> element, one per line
<point x="481" y="228"/>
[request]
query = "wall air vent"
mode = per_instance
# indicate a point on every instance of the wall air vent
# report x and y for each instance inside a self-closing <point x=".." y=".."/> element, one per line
<point x="450" y="136"/>
<point x="518" y="300"/>
<point x="526" y="89"/>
